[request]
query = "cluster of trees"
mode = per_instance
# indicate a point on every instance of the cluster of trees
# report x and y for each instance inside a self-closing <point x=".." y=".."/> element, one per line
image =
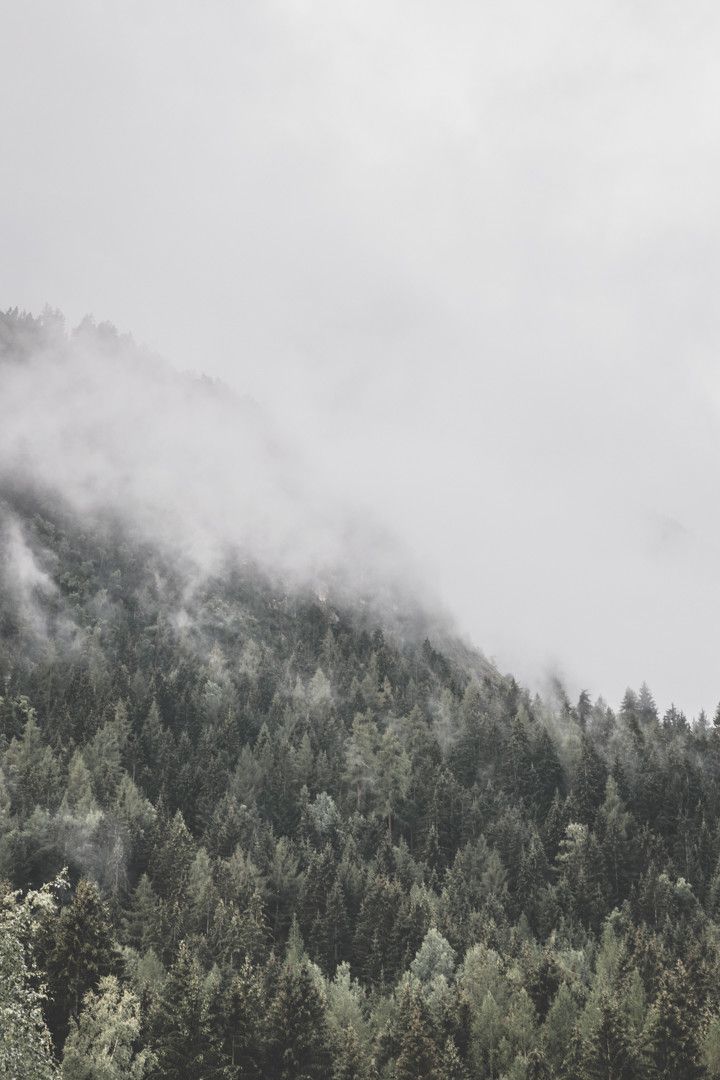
<point x="246" y="832"/>
<point x="268" y="839"/>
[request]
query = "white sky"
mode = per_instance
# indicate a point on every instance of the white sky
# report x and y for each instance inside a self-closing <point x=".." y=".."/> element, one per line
<point x="469" y="253"/>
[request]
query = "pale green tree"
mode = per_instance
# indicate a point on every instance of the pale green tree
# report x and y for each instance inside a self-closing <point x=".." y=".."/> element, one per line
<point x="435" y="956"/>
<point x="102" y="1042"/>
<point x="711" y="1047"/>
<point x="361" y="757"/>
<point x="25" y="1046"/>
<point x="393" y="779"/>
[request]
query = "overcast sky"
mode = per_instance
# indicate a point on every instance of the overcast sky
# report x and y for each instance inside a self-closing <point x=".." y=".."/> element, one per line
<point x="469" y="253"/>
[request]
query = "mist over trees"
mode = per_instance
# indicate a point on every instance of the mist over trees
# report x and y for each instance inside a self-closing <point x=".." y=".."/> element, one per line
<point x="253" y="827"/>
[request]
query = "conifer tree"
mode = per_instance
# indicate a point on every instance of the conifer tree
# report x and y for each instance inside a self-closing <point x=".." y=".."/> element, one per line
<point x="79" y="798"/>
<point x="558" y="1028"/>
<point x="352" y="1059"/>
<point x="451" y="1066"/>
<point x="25" y="1046"/>
<point x="608" y="1051"/>
<point x="590" y="780"/>
<point x="172" y="857"/>
<point x="142" y="918"/>
<point x="77" y="950"/>
<point x="613" y="825"/>
<point x="182" y="1028"/>
<point x="299" y="1046"/>
<point x="31" y="770"/>
<point x="673" y="1028"/>
<point x="245" y="1023"/>
<point x="102" y="1041"/>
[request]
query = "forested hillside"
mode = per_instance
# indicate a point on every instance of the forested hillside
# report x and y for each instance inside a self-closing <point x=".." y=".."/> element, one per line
<point x="250" y="828"/>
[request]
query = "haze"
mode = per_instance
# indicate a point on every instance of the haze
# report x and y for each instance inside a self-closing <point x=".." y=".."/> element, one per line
<point x="466" y="254"/>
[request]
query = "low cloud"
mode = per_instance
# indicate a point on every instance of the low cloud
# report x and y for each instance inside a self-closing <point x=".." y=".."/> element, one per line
<point x="185" y="463"/>
<point x="468" y="255"/>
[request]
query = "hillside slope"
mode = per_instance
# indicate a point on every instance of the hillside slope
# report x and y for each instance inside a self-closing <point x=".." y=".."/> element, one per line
<point x="308" y="833"/>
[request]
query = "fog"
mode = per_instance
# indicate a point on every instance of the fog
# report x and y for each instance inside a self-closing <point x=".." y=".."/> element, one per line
<point x="181" y="461"/>
<point x="463" y="255"/>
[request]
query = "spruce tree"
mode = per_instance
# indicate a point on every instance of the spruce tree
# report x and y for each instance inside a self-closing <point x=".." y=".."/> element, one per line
<point x="299" y="1045"/>
<point x="182" y="1027"/>
<point x="77" y="950"/>
<point x="25" y="1046"/>
<point x="245" y="1023"/>
<point x="102" y="1044"/>
<point x="673" y="1028"/>
<point x="608" y="1051"/>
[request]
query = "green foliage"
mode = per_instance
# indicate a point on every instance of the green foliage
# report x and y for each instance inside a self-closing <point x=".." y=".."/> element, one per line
<point x="181" y="1027"/>
<point x="101" y="1043"/>
<point x="558" y="1029"/>
<point x="435" y="958"/>
<point x="310" y="838"/>
<point x="77" y="950"/>
<point x="608" y="1051"/>
<point x="298" y="1039"/>
<point x="673" y="1027"/>
<point x="25" y="1047"/>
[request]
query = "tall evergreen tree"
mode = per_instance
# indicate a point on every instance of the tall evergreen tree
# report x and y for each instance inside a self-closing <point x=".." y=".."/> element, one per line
<point x="299" y="1044"/>
<point x="77" y="948"/>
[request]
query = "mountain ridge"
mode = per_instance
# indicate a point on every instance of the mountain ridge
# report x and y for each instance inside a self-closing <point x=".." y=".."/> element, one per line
<point x="258" y="821"/>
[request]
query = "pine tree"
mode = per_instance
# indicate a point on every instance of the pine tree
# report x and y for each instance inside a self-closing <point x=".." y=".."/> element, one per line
<point x="590" y="780"/>
<point x="419" y="1058"/>
<point x="673" y="1028"/>
<point x="182" y="1027"/>
<point x="711" y="1046"/>
<point x="352" y="1060"/>
<point x="451" y="1065"/>
<point x="79" y="798"/>
<point x="613" y="826"/>
<point x="434" y="958"/>
<point x="547" y="772"/>
<point x="521" y="1022"/>
<point x="172" y="857"/>
<point x="244" y="1023"/>
<point x="77" y="950"/>
<point x="608" y="1052"/>
<point x="104" y="761"/>
<point x="102" y="1041"/>
<point x="580" y="865"/>
<point x="486" y="1035"/>
<point x="558" y="1027"/>
<point x="556" y="822"/>
<point x="376" y="942"/>
<point x="517" y="760"/>
<point x="25" y="1046"/>
<point x="410" y="1036"/>
<point x="646" y="708"/>
<point x="31" y="770"/>
<point x="152" y="750"/>
<point x="202" y="894"/>
<point x="141" y="923"/>
<point x="299" y="1048"/>
<point x="533" y="875"/>
<point x="361" y="758"/>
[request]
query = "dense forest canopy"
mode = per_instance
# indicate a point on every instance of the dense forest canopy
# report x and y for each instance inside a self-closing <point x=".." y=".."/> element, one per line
<point x="252" y="828"/>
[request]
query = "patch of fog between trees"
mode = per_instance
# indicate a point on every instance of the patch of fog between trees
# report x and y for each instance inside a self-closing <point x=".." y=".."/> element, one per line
<point x="185" y="464"/>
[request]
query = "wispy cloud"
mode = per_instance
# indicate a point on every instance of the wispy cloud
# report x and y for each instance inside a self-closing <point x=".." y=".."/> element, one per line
<point x="468" y="255"/>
